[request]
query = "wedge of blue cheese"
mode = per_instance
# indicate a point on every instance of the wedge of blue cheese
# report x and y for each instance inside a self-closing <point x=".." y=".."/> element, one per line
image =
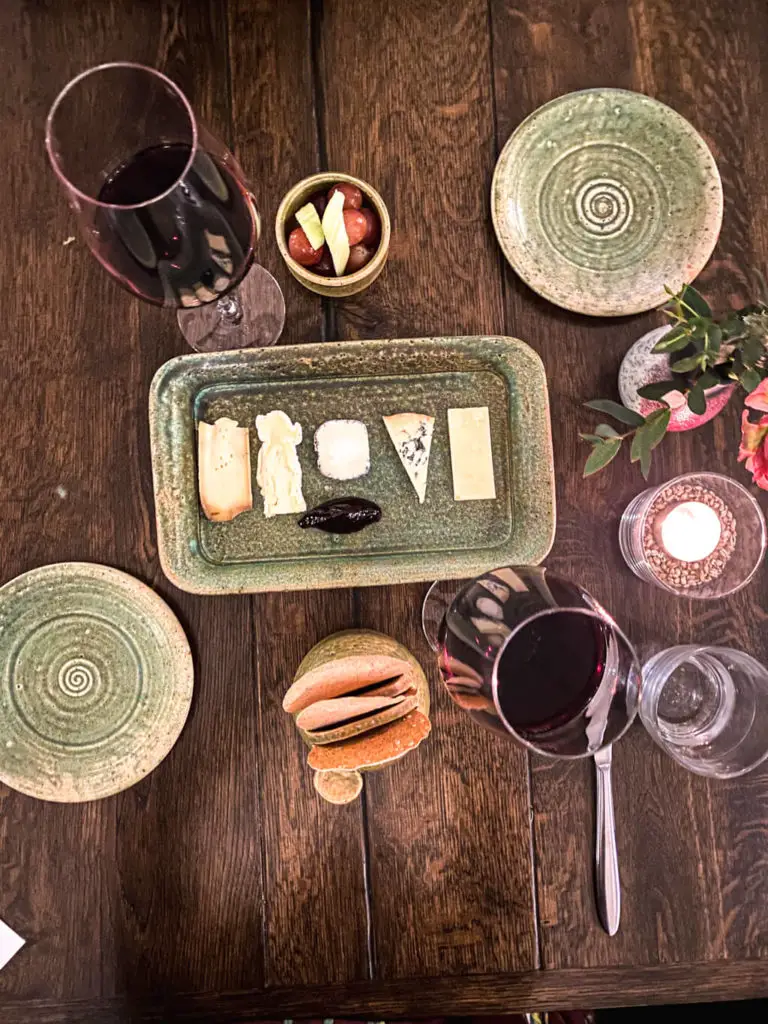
<point x="411" y="434"/>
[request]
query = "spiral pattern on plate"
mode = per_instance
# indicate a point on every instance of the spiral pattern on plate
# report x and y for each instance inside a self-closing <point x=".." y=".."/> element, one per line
<point x="602" y="207"/>
<point x="78" y="677"/>
<point x="79" y="701"/>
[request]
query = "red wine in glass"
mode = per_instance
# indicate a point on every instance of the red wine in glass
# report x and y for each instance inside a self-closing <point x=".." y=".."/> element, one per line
<point x="189" y="247"/>
<point x="533" y="656"/>
<point x="550" y="670"/>
<point x="163" y="205"/>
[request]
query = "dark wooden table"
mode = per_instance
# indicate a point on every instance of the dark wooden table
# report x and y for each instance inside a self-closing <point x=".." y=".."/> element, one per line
<point x="221" y="888"/>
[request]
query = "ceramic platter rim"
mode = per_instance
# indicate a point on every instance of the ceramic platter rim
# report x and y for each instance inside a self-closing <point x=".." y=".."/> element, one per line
<point x="519" y="379"/>
<point x="537" y="260"/>
<point x="79" y="677"/>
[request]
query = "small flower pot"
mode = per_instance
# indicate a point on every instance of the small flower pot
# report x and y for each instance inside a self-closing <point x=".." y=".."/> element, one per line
<point x="641" y="366"/>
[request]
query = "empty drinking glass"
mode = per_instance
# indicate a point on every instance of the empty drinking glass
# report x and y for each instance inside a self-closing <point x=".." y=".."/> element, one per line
<point x="707" y="707"/>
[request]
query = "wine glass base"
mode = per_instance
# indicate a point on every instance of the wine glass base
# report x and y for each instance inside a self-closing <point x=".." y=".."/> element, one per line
<point x="252" y="316"/>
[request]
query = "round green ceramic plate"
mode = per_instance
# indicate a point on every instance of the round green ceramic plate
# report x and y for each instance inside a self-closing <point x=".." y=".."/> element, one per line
<point x="95" y="681"/>
<point x="601" y="198"/>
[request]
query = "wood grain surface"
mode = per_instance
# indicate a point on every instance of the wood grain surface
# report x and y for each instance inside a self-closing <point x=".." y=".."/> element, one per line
<point x="221" y="889"/>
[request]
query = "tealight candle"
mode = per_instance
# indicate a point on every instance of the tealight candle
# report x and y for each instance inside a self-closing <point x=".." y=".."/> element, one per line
<point x="698" y="535"/>
<point x="690" y="531"/>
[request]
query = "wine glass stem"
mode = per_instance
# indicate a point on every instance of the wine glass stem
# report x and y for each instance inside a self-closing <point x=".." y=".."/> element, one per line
<point x="230" y="309"/>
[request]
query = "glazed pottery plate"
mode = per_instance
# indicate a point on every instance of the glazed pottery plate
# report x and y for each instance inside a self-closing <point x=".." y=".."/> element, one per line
<point x="364" y="381"/>
<point x="601" y="198"/>
<point x="96" y="681"/>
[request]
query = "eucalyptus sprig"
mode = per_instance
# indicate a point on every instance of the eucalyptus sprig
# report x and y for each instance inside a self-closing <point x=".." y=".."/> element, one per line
<point x="703" y="352"/>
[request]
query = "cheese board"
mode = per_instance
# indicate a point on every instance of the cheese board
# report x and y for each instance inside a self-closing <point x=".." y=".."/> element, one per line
<point x="398" y="394"/>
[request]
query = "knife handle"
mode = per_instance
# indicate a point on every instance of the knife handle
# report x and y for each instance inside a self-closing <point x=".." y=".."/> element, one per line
<point x="606" y="856"/>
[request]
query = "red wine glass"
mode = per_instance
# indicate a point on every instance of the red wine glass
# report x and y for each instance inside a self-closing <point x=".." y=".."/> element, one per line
<point x="535" y="657"/>
<point x="163" y="205"/>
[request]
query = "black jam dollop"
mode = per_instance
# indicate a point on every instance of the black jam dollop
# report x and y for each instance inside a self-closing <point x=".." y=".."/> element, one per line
<point x="341" y="515"/>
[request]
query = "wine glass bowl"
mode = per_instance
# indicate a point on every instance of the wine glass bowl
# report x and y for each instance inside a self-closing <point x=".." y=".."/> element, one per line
<point x="162" y="204"/>
<point x="533" y="656"/>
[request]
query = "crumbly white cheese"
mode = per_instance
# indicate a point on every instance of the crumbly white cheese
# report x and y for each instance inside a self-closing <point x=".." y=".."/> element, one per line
<point x="411" y="434"/>
<point x="224" y="469"/>
<point x="469" y="431"/>
<point x="342" y="449"/>
<point x="278" y="472"/>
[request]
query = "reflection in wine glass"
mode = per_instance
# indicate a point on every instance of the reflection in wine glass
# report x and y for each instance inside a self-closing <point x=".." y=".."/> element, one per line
<point x="535" y="657"/>
<point x="163" y="205"/>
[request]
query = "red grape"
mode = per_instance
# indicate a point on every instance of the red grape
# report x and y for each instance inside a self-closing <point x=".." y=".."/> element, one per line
<point x="353" y="197"/>
<point x="301" y="250"/>
<point x="355" y="225"/>
<point x="325" y="265"/>
<point x="319" y="201"/>
<point x="373" y="231"/>
<point x="359" y="255"/>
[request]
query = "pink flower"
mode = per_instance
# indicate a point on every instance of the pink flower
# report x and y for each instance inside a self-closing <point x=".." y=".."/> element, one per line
<point x="758" y="399"/>
<point x="753" y="450"/>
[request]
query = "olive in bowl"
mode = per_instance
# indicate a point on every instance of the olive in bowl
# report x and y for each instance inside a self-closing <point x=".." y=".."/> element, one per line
<point x="333" y="232"/>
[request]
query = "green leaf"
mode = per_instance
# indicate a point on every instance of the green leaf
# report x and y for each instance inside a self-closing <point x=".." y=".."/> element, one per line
<point x="602" y="454"/>
<point x="686" y="365"/>
<point x="636" y="450"/>
<point x="655" y="392"/>
<point x="592" y="438"/>
<point x="656" y="427"/>
<point x="714" y="340"/>
<point x="698" y="329"/>
<point x="750" y="379"/>
<point x="676" y="339"/>
<point x="605" y="430"/>
<point x="752" y="349"/>
<point x="647" y="437"/>
<point x="732" y="326"/>
<point x="690" y="297"/>
<point x="708" y="380"/>
<point x="619" y="412"/>
<point x="697" y="401"/>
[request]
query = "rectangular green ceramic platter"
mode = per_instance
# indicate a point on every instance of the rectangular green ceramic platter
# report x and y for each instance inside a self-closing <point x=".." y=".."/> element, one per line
<point x="365" y="380"/>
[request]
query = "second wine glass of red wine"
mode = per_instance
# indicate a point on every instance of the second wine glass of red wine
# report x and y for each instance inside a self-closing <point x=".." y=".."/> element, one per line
<point x="163" y="205"/>
<point x="534" y="657"/>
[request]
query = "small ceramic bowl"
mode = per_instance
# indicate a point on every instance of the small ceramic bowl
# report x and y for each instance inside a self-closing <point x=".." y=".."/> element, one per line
<point x="332" y="287"/>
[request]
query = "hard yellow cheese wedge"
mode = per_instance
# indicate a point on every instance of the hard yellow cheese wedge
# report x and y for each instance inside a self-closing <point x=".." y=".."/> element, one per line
<point x="224" y="469"/>
<point x="469" y="431"/>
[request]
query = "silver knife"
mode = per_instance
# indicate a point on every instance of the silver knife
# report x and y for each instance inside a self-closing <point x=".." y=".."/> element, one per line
<point x="607" y="884"/>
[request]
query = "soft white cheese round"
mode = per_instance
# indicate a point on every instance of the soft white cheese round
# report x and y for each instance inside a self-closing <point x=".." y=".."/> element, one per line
<point x="342" y="449"/>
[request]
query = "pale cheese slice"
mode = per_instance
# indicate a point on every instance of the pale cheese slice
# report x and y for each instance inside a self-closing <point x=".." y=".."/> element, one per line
<point x="411" y="434"/>
<point x="278" y="471"/>
<point x="469" y="431"/>
<point x="224" y="469"/>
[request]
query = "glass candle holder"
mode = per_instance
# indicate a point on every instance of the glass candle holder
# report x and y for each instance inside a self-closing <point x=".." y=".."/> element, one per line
<point x="699" y="535"/>
<point x="707" y="707"/>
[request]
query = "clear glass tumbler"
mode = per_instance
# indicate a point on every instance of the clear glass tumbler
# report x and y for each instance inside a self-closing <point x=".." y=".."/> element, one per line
<point x="707" y="707"/>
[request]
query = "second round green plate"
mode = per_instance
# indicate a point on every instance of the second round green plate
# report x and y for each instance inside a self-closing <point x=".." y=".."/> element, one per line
<point x="601" y="198"/>
<point x="95" y="681"/>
